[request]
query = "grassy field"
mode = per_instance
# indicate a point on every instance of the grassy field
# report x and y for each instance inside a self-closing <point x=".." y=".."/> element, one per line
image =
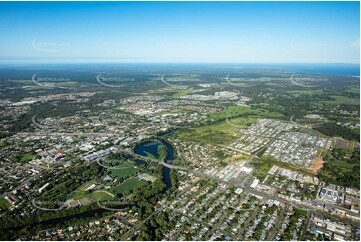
<point x="235" y="111"/>
<point x="162" y="113"/>
<point x="343" y="100"/>
<point x="77" y="194"/>
<point x="300" y="212"/>
<point x="244" y="122"/>
<point x="4" y="203"/>
<point x="119" y="108"/>
<point x="27" y="157"/>
<point x="262" y="169"/>
<point x="101" y="196"/>
<point x="80" y="191"/>
<point x="3" y="143"/>
<point x="265" y="163"/>
<point x="183" y="92"/>
<point x="128" y="185"/>
<point x="85" y="186"/>
<point x="354" y="90"/>
<point x="308" y="91"/>
<point x="127" y="169"/>
<point x="222" y="133"/>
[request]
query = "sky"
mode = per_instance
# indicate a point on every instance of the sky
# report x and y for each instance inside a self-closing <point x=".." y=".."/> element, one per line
<point x="216" y="32"/>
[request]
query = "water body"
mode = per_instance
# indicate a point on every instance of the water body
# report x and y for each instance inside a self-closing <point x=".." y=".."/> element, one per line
<point x="152" y="148"/>
<point x="326" y="69"/>
<point x="330" y="69"/>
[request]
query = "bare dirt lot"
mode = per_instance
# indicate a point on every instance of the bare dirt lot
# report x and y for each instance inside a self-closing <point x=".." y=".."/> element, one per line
<point x="316" y="165"/>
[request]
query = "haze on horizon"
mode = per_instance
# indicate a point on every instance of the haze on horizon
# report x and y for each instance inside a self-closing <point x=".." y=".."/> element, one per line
<point x="218" y="32"/>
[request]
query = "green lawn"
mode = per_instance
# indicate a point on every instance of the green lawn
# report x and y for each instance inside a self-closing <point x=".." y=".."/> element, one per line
<point x="78" y="195"/>
<point x="27" y="157"/>
<point x="85" y="186"/>
<point x="4" y="203"/>
<point x="101" y="196"/>
<point x="300" y="212"/>
<point x="128" y="185"/>
<point x="124" y="171"/>
<point x="80" y="191"/>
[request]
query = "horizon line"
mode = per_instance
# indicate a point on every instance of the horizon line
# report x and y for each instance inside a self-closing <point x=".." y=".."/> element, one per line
<point x="110" y="61"/>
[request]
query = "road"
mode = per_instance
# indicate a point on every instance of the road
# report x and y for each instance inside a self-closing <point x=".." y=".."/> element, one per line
<point x="32" y="134"/>
<point x="308" y="220"/>
<point x="155" y="160"/>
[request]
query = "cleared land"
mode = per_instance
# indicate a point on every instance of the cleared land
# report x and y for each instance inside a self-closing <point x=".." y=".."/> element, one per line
<point x="316" y="165"/>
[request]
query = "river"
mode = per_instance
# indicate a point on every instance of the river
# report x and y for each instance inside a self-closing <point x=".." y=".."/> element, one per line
<point x="151" y="147"/>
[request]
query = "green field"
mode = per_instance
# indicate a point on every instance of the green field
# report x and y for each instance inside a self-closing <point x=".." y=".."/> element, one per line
<point x="85" y="186"/>
<point x="265" y="163"/>
<point x="80" y="191"/>
<point x="236" y="111"/>
<point x="131" y="184"/>
<point x="183" y="92"/>
<point x="27" y="157"/>
<point x="3" y="143"/>
<point x="300" y="212"/>
<point x="4" y="203"/>
<point x="101" y="196"/>
<point x="262" y="169"/>
<point x="244" y="122"/>
<point x="343" y="100"/>
<point x="353" y="90"/>
<point x="222" y="133"/>
<point x="78" y="195"/>
<point x="119" y="108"/>
<point x="124" y="171"/>
<point x="307" y="91"/>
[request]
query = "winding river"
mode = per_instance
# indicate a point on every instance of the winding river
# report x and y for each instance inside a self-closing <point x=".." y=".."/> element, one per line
<point x="151" y="147"/>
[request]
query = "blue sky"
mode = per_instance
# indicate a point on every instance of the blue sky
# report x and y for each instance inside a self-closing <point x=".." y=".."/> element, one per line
<point x="238" y="32"/>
